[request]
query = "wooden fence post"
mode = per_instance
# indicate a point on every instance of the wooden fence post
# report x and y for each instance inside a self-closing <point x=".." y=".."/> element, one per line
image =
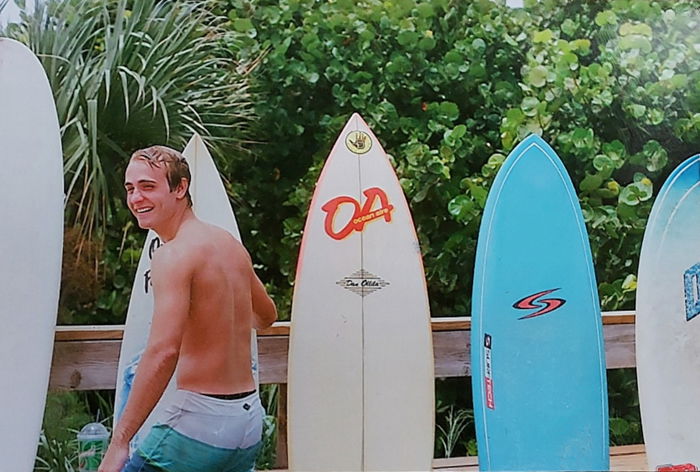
<point x="281" y="461"/>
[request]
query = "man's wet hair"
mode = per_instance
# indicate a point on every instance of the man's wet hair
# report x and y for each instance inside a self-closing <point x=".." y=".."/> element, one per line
<point x="176" y="166"/>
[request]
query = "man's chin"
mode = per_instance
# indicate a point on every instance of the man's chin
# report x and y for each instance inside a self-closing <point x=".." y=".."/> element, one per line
<point x="144" y="224"/>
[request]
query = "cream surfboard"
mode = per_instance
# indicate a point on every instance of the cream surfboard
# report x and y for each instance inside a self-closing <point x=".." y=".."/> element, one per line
<point x="30" y="250"/>
<point x="668" y="325"/>
<point x="361" y="387"/>
<point x="211" y="204"/>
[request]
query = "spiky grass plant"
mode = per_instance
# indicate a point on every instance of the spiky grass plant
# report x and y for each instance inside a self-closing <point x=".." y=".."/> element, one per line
<point x="56" y="455"/>
<point x="456" y="421"/>
<point x="126" y="74"/>
<point x="269" y="395"/>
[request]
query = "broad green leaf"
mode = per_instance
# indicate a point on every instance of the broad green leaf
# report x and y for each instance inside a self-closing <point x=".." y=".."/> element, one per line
<point x="454" y="57"/>
<point x="407" y="38"/>
<point x="479" y="193"/>
<point x="515" y="116"/>
<point x="606" y="17"/>
<point x="582" y="45"/>
<point x="425" y="10"/>
<point x="603" y="163"/>
<point x="582" y="138"/>
<point x="460" y="205"/>
<point x="679" y="81"/>
<point x="630" y="283"/>
<point x="529" y="106"/>
<point x="479" y="45"/>
<point x="543" y="36"/>
<point x="538" y="76"/>
<point x="569" y="27"/>
<point x="458" y="131"/>
<point x="641" y="29"/>
<point x="636" y="192"/>
<point x="422" y="193"/>
<point x="243" y="25"/>
<point x="626" y="211"/>
<point x="570" y="60"/>
<point x="493" y="165"/>
<point x="635" y="42"/>
<point x="655" y="155"/>
<point x="637" y="111"/>
<point x="427" y="43"/>
<point x="436" y="167"/>
<point x="449" y="110"/>
<point x="656" y="116"/>
<point x="590" y="182"/>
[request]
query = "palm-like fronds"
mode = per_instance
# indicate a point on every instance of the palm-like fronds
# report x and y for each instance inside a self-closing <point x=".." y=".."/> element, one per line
<point x="129" y="74"/>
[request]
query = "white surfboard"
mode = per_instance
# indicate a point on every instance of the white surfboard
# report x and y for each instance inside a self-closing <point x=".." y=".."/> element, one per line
<point x="361" y="386"/>
<point x="211" y="204"/>
<point x="31" y="171"/>
<point x="667" y="322"/>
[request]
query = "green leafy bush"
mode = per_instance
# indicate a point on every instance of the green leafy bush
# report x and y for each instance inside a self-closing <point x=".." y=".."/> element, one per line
<point x="450" y="88"/>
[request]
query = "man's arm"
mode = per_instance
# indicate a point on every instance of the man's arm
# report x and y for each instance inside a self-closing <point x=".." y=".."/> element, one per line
<point x="171" y="293"/>
<point x="264" y="310"/>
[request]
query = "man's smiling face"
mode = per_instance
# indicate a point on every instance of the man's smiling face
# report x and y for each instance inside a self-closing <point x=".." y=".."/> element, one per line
<point x="148" y="195"/>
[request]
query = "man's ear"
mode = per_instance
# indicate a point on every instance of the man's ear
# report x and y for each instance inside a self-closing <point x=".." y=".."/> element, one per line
<point x="181" y="189"/>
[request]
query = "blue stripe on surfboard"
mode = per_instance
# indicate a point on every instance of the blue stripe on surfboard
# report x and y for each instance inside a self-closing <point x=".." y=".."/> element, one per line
<point x="676" y="189"/>
<point x="548" y="371"/>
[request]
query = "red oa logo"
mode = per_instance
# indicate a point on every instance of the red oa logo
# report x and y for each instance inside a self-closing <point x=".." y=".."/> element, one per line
<point x="360" y="216"/>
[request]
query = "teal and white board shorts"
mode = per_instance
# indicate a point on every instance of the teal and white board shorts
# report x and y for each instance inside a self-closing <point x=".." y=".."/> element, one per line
<point x="198" y="432"/>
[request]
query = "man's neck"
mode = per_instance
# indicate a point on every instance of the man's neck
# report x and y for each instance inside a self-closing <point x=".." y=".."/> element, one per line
<point x="169" y="230"/>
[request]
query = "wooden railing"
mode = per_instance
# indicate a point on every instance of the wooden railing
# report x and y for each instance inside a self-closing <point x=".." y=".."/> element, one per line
<point x="86" y="357"/>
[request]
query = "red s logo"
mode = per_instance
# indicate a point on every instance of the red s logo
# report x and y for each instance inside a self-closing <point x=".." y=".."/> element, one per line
<point x="545" y="305"/>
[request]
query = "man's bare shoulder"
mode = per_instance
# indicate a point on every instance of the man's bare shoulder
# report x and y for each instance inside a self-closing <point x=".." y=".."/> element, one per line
<point x="222" y="236"/>
<point x="171" y="255"/>
<point x="202" y="240"/>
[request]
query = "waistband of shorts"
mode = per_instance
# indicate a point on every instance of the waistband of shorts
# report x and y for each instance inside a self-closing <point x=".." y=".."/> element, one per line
<point x="229" y="396"/>
<point x="200" y="403"/>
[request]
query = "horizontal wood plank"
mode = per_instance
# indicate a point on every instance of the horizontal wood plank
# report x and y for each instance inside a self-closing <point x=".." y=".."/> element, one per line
<point x="84" y="365"/>
<point x="619" y="346"/>
<point x="281" y="328"/>
<point x="452" y="350"/>
<point x="86" y="357"/>
<point x="622" y="459"/>
<point x="90" y="333"/>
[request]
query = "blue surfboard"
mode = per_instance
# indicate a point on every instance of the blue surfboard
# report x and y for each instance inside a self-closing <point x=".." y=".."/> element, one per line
<point x="538" y="360"/>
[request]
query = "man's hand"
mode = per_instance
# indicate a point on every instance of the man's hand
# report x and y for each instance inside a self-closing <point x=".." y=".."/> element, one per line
<point x="115" y="458"/>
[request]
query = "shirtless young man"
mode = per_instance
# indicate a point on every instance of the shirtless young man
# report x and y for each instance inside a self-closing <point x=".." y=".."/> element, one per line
<point x="207" y="299"/>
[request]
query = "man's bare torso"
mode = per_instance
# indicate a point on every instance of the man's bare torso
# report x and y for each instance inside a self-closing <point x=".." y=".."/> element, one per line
<point x="215" y="350"/>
